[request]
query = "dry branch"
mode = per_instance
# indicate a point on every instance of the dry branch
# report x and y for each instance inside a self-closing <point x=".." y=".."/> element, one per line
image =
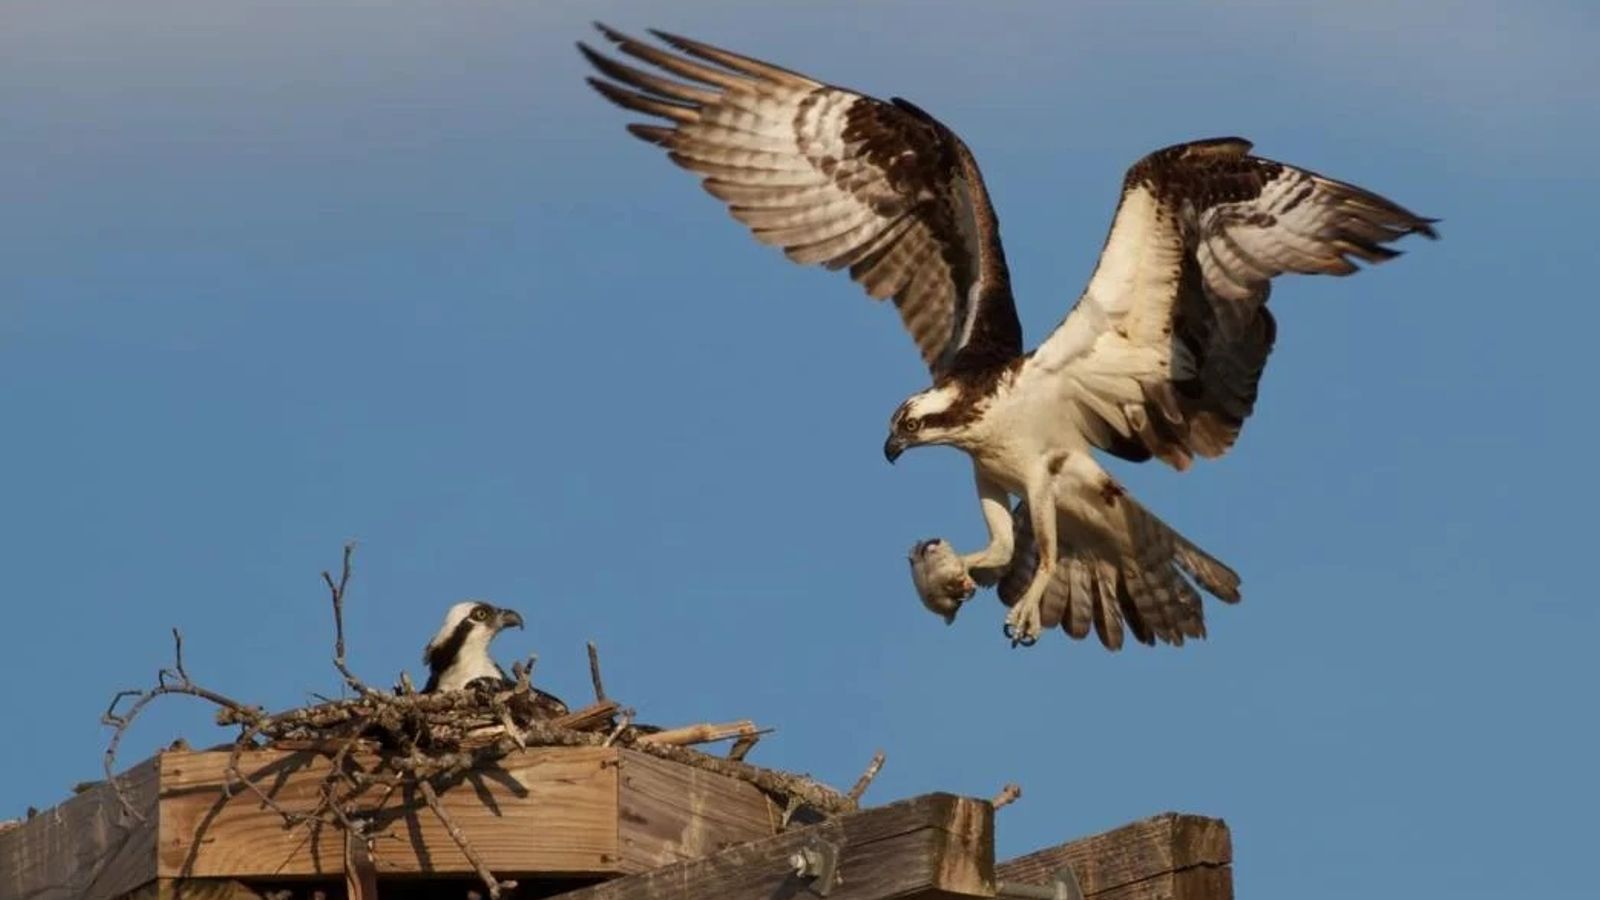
<point x="704" y="733"/>
<point x="865" y="781"/>
<point x="594" y="673"/>
<point x="742" y="747"/>
<point x="1008" y="795"/>
<point x="495" y="885"/>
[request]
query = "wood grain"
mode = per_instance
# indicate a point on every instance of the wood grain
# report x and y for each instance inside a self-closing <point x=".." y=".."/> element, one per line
<point x="194" y="889"/>
<point x="88" y="848"/>
<point x="668" y="813"/>
<point x="934" y="845"/>
<point x="1171" y="855"/>
<point x="547" y="810"/>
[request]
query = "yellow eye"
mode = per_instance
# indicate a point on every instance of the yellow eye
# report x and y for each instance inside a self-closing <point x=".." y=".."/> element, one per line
<point x="480" y="614"/>
<point x="912" y="423"/>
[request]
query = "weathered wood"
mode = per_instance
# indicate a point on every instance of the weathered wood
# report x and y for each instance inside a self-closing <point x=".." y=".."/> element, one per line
<point x="936" y="845"/>
<point x="194" y="889"/>
<point x="553" y="813"/>
<point x="549" y="810"/>
<point x="1172" y="855"/>
<point x="360" y="873"/>
<point x="704" y="733"/>
<point x="88" y="848"/>
<point x="667" y="812"/>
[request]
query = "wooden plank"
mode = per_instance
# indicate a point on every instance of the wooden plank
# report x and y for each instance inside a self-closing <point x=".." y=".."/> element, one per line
<point x="194" y="889"/>
<point x="668" y="813"/>
<point x="360" y="873"/>
<point x="545" y="810"/>
<point x="1172" y="855"/>
<point x="88" y="848"/>
<point x="1199" y="883"/>
<point x="937" y="845"/>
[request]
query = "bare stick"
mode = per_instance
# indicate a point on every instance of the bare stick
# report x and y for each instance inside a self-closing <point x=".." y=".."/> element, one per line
<point x="1008" y="795"/>
<point x="594" y="673"/>
<point x="704" y="733"/>
<point x="742" y="747"/>
<point x="336" y="590"/>
<point x="494" y="884"/>
<point x="168" y="681"/>
<point x="865" y="781"/>
<point x="588" y="717"/>
<point x="177" y="655"/>
<point x="623" y="721"/>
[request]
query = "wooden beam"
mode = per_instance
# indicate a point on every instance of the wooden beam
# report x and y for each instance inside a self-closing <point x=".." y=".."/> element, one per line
<point x="194" y="889"/>
<point x="548" y="810"/>
<point x="88" y="848"/>
<point x="937" y="845"/>
<point x="1170" y="856"/>
<point x="668" y="812"/>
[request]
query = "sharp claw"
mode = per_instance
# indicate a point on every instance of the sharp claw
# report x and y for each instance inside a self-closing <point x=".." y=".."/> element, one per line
<point x="1018" y="636"/>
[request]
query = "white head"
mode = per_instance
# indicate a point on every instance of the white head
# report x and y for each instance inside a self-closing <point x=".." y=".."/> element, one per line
<point x="939" y="415"/>
<point x="459" y="653"/>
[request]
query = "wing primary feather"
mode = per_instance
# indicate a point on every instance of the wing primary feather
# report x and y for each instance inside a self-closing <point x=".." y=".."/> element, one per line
<point x="627" y="99"/>
<point x="639" y="78"/>
<point x="654" y="134"/>
<point x="735" y="61"/>
<point x="834" y="178"/>
<point x="677" y="65"/>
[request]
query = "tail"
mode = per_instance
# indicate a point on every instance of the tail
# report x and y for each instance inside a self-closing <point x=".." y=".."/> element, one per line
<point x="1144" y="575"/>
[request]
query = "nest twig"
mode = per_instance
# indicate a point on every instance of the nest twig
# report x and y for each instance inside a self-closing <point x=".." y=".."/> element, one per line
<point x="405" y="740"/>
<point x="865" y="781"/>
<point x="1008" y="795"/>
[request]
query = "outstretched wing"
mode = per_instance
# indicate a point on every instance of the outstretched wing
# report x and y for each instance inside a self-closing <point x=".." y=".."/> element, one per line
<point x="1163" y="352"/>
<point x="836" y="178"/>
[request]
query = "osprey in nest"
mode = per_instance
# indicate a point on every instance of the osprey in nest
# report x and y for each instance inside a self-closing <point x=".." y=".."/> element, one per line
<point x="1160" y="357"/>
<point x="458" y="655"/>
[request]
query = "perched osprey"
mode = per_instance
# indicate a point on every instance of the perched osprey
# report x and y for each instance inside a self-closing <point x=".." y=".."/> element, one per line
<point x="458" y="655"/>
<point x="1160" y="356"/>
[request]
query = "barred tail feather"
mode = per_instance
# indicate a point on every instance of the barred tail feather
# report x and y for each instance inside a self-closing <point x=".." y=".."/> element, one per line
<point x="1144" y="583"/>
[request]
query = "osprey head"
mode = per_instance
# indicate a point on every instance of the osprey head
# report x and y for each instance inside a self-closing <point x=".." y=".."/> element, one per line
<point x="459" y="653"/>
<point x="934" y="416"/>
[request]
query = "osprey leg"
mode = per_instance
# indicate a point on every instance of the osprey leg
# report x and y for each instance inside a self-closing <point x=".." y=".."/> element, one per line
<point x="1024" y="622"/>
<point x="996" y="504"/>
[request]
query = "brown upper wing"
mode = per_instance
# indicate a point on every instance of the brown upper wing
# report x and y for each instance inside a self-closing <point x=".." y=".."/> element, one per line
<point x="1164" y="351"/>
<point x="836" y="178"/>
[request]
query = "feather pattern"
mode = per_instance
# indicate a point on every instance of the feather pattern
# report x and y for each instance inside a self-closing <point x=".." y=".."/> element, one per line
<point x="1164" y="350"/>
<point x="834" y="178"/>
<point x="1161" y="356"/>
<point x="1126" y="573"/>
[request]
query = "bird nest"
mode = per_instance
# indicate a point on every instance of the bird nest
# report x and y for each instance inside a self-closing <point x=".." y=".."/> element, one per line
<point x="401" y="739"/>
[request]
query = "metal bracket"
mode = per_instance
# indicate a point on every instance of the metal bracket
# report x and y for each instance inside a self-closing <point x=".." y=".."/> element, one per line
<point x="818" y="861"/>
<point x="1064" y="887"/>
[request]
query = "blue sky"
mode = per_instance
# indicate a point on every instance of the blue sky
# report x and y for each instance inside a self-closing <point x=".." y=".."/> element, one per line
<point x="277" y="275"/>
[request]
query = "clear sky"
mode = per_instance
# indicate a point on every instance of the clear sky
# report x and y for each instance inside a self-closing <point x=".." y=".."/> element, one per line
<point x="275" y="275"/>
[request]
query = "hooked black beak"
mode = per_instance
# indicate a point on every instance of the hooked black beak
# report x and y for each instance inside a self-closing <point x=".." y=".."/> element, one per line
<point x="510" y="618"/>
<point x="893" y="447"/>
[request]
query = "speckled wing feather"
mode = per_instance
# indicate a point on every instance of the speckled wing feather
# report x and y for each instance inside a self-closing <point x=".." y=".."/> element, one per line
<point x="834" y="178"/>
<point x="1164" y="350"/>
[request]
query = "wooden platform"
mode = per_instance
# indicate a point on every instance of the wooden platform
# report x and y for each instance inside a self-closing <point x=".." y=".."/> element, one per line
<point x="589" y="823"/>
<point x="576" y="812"/>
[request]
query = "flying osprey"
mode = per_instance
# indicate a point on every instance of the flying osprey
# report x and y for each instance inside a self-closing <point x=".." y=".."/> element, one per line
<point x="458" y="656"/>
<point x="1160" y="356"/>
